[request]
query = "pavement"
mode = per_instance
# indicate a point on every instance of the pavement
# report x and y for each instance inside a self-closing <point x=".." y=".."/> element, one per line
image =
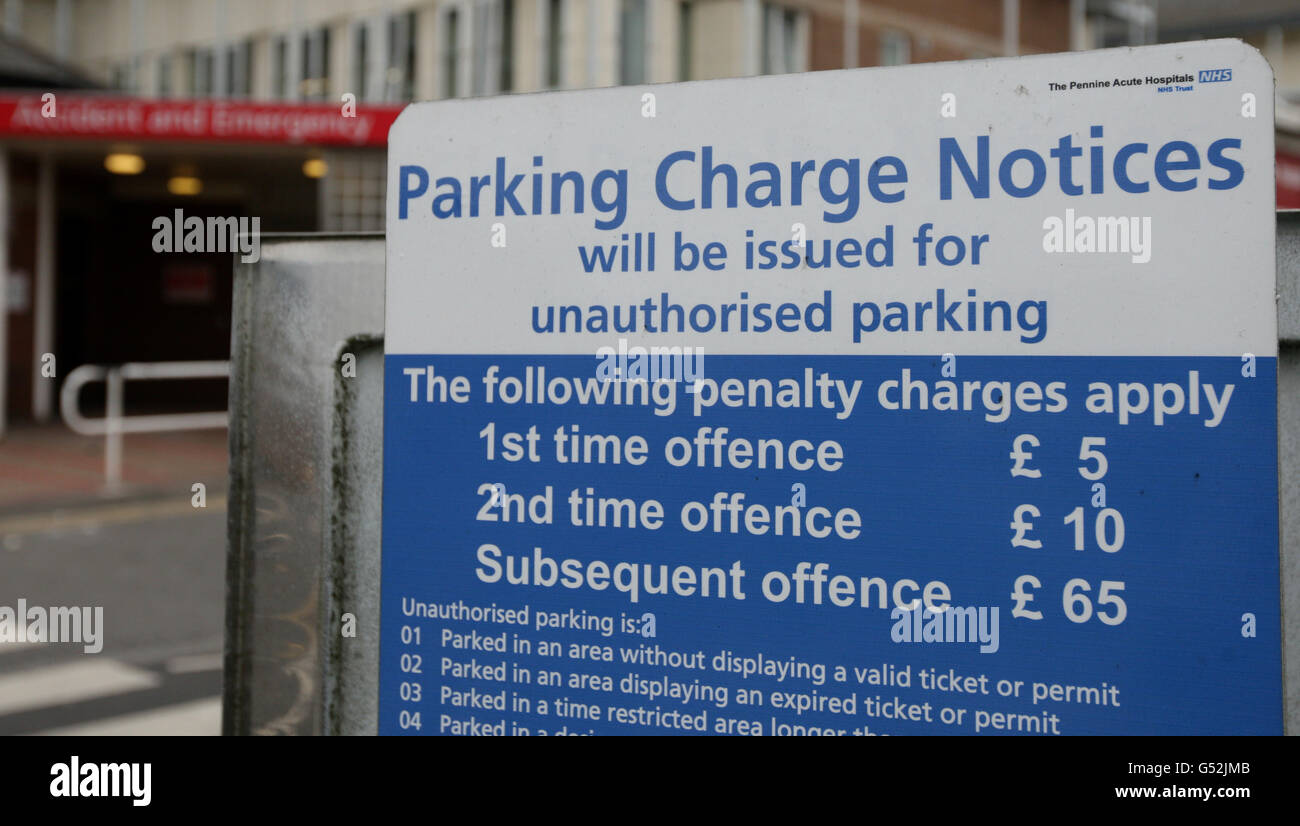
<point x="50" y="466"/>
<point x="144" y="554"/>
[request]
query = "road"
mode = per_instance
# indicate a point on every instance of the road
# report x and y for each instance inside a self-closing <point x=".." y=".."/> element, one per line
<point x="157" y="568"/>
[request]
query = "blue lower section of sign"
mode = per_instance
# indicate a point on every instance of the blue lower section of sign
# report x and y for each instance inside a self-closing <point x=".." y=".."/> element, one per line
<point x="1106" y="547"/>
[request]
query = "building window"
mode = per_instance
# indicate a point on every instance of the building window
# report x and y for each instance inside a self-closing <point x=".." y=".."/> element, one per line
<point x="164" y="76"/>
<point x="201" y="71"/>
<point x="506" y="72"/>
<point x="121" y="80"/>
<point x="451" y="54"/>
<point x="360" y="61"/>
<point x="781" y="52"/>
<point x="632" y="36"/>
<point x="685" y="38"/>
<point x="352" y="194"/>
<point x="401" y="57"/>
<point x="315" y="64"/>
<point x="280" y="75"/>
<point x="239" y="70"/>
<point x="554" y="40"/>
<point x="476" y="48"/>
<point x="895" y="48"/>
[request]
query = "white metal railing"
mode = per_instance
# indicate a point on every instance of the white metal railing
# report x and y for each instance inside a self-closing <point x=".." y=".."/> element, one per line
<point x="114" y="424"/>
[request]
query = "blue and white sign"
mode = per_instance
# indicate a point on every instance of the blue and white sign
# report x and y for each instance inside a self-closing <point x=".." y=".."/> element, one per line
<point x="926" y="400"/>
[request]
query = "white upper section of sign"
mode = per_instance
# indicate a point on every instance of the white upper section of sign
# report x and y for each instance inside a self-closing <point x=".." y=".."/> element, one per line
<point x="1195" y="275"/>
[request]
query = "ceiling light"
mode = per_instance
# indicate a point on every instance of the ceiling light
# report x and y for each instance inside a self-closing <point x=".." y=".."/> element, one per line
<point x="124" y="163"/>
<point x="184" y="185"/>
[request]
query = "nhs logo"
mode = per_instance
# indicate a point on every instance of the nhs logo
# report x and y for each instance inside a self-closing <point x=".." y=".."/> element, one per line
<point x="1214" y="75"/>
